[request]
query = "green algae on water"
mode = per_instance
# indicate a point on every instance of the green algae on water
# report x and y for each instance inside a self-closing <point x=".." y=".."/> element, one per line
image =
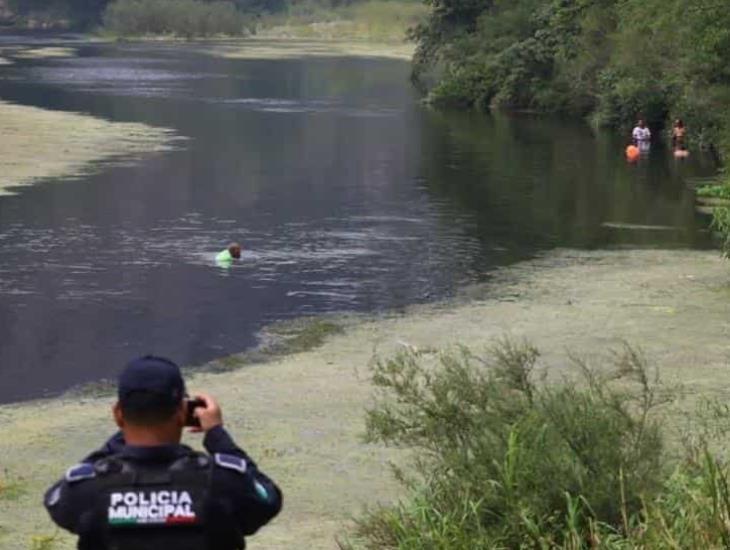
<point x="278" y="48"/>
<point x="39" y="144"/>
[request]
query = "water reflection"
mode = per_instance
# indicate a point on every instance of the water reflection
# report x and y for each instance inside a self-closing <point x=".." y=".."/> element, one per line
<point x="537" y="182"/>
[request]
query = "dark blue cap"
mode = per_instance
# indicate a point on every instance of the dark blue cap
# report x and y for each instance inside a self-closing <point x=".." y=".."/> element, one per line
<point x="155" y="375"/>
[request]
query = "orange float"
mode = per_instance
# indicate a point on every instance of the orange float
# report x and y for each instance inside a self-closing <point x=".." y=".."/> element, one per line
<point x="632" y="153"/>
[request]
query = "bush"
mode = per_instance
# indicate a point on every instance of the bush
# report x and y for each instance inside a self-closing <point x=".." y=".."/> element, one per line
<point x="721" y="223"/>
<point x="714" y="191"/>
<point x="183" y="18"/>
<point x="503" y="461"/>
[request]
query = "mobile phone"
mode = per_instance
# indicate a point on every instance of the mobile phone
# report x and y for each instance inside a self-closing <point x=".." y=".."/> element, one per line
<point x="190" y="419"/>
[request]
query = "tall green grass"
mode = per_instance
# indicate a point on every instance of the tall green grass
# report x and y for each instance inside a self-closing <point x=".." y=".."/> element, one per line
<point x="502" y="459"/>
<point x="373" y="20"/>
<point x="721" y="222"/>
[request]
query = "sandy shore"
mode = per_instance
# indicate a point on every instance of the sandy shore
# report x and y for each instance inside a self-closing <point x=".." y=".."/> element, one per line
<point x="301" y="415"/>
<point x="37" y="144"/>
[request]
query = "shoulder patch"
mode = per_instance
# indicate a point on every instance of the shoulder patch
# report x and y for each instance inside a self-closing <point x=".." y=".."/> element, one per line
<point x="231" y="462"/>
<point x="80" y="472"/>
<point x="261" y="491"/>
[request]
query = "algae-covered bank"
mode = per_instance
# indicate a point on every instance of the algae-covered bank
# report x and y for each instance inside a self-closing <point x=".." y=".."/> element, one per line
<point x="282" y="47"/>
<point x="301" y="415"/>
<point x="37" y="143"/>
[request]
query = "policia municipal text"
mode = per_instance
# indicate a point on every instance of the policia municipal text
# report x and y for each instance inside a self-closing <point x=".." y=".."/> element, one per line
<point x="144" y="490"/>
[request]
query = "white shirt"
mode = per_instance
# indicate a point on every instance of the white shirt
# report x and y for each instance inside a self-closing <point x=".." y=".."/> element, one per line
<point x="641" y="134"/>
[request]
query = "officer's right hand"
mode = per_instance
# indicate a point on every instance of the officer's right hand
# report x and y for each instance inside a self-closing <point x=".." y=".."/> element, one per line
<point x="211" y="415"/>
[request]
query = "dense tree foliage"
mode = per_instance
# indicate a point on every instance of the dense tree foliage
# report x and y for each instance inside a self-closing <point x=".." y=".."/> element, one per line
<point x="610" y="58"/>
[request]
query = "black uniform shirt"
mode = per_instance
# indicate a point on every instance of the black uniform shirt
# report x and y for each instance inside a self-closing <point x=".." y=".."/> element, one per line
<point x="246" y="497"/>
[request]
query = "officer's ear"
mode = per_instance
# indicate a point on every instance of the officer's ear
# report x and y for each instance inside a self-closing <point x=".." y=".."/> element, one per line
<point x="117" y="413"/>
<point x="181" y="415"/>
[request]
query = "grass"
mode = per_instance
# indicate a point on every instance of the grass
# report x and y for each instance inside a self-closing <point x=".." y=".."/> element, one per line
<point x="279" y="340"/>
<point x="93" y="390"/>
<point x="271" y="46"/>
<point x="374" y="21"/>
<point x="10" y="489"/>
<point x="300" y="416"/>
<point x="714" y="191"/>
<point x="721" y="224"/>
<point x="718" y="195"/>
<point x="43" y="542"/>
<point x="301" y="335"/>
<point x="503" y="459"/>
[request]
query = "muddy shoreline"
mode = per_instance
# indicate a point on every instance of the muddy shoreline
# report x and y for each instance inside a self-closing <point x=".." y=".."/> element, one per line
<point x="301" y="414"/>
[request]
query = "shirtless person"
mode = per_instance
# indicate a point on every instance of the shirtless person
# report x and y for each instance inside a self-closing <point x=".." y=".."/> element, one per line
<point x="679" y="134"/>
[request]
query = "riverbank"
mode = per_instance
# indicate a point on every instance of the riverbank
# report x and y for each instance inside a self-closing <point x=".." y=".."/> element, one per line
<point x="38" y="144"/>
<point x="293" y="48"/>
<point x="294" y="41"/>
<point x="301" y="415"/>
<point x="384" y="21"/>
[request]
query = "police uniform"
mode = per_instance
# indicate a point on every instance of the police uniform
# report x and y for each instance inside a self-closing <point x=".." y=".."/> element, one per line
<point x="124" y="497"/>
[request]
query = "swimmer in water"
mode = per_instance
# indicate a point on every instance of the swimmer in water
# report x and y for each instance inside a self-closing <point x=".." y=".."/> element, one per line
<point x="225" y="258"/>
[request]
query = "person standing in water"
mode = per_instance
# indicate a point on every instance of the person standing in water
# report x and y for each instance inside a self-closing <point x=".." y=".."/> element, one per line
<point x="679" y="135"/>
<point x="642" y="136"/>
<point x="225" y="257"/>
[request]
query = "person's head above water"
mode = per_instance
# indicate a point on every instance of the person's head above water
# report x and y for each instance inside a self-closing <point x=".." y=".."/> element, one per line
<point x="642" y="123"/>
<point x="234" y="249"/>
<point x="679" y="123"/>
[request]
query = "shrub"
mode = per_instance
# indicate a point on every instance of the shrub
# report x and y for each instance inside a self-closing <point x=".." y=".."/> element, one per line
<point x="505" y="461"/>
<point x="721" y="223"/>
<point x="184" y="18"/>
<point x="714" y="191"/>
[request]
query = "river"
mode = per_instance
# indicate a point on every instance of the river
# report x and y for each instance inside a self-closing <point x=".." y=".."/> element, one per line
<point x="347" y="193"/>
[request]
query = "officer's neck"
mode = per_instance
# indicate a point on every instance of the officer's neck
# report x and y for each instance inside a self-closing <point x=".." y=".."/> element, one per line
<point x="151" y="436"/>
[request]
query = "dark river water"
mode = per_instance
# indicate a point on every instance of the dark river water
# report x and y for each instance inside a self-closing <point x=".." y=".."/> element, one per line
<point x="346" y="192"/>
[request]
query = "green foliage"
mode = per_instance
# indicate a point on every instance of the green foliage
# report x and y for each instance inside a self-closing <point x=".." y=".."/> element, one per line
<point x="504" y="461"/>
<point x="714" y="191"/>
<point x="373" y="20"/>
<point x="182" y="18"/>
<point x="721" y="223"/>
<point x="613" y="59"/>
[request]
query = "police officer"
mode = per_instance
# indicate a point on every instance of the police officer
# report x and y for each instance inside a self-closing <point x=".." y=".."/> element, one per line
<point x="144" y="490"/>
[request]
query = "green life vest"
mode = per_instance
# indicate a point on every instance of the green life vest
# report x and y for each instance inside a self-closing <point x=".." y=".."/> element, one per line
<point x="224" y="259"/>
